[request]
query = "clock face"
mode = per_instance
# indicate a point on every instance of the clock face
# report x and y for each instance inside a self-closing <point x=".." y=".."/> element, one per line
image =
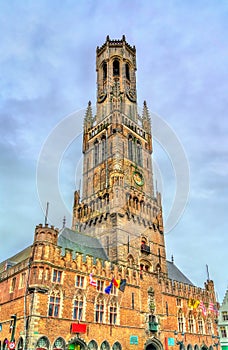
<point x="138" y="178"/>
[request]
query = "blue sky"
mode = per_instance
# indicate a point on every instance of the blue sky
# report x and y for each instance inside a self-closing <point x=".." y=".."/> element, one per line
<point x="47" y="77"/>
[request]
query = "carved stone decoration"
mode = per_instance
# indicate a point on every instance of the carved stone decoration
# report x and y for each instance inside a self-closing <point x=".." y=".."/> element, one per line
<point x="151" y="301"/>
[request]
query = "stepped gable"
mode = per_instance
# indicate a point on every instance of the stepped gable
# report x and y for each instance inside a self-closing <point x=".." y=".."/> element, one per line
<point x="176" y="275"/>
<point x="16" y="259"/>
<point x="81" y="243"/>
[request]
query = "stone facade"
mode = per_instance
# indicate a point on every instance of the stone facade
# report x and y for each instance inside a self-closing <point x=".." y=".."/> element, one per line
<point x="117" y="234"/>
<point x="223" y="324"/>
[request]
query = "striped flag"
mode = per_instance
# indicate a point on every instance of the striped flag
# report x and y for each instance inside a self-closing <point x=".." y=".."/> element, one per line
<point x="92" y="282"/>
<point x="211" y="307"/>
<point x="203" y="308"/>
<point x="116" y="282"/>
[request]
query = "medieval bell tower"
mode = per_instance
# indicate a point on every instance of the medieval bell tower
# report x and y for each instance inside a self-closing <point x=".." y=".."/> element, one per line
<point x="118" y="204"/>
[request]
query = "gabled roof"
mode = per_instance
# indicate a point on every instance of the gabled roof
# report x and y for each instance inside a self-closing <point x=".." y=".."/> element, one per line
<point x="81" y="243"/>
<point x="175" y="274"/>
<point x="16" y="259"/>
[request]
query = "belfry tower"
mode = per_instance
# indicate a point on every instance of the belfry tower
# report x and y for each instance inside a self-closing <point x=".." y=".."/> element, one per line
<point x="118" y="204"/>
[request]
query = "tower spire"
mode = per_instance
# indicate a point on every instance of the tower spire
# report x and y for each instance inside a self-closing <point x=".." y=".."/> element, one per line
<point x="146" y="121"/>
<point x="88" y="120"/>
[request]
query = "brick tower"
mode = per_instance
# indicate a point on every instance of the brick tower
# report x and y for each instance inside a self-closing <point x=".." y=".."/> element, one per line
<point x="118" y="204"/>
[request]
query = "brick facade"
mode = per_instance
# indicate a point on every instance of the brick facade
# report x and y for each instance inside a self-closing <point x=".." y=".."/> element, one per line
<point x="47" y="285"/>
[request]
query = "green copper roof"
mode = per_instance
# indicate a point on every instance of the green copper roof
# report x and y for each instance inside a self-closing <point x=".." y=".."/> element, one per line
<point x="81" y="243"/>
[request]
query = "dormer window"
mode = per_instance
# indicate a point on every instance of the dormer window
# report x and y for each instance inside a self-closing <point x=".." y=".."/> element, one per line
<point x="116" y="68"/>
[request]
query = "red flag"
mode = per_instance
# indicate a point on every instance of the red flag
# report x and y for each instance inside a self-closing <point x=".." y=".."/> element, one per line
<point x="116" y="282"/>
<point x="92" y="282"/>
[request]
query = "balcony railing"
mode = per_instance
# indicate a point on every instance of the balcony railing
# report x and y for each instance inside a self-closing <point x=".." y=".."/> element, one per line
<point x="145" y="248"/>
<point x="153" y="326"/>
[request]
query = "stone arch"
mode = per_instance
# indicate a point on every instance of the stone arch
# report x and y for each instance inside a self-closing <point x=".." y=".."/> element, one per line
<point x="77" y="341"/>
<point x="153" y="344"/>
<point x="130" y="260"/>
<point x="196" y="347"/>
<point x="204" y="347"/>
<point x="189" y="347"/>
<point x="42" y="343"/>
<point x="116" y="346"/>
<point x="92" y="345"/>
<point x="59" y="344"/>
<point x="105" y="345"/>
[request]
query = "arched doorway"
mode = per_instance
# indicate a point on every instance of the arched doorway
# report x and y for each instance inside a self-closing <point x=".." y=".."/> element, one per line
<point x="153" y="344"/>
<point x="151" y="347"/>
<point x="77" y="344"/>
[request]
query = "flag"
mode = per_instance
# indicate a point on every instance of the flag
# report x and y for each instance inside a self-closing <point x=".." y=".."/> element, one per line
<point x="211" y="307"/>
<point x="203" y="308"/>
<point x="108" y="288"/>
<point x="92" y="282"/>
<point x="196" y="304"/>
<point x="116" y="282"/>
<point x="191" y="303"/>
<point x="122" y="285"/>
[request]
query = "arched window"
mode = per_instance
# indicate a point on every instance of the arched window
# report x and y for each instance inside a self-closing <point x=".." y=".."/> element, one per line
<point x="96" y="153"/>
<point x="54" y="304"/>
<point x="116" y="346"/>
<point x="92" y="345"/>
<point x="130" y="147"/>
<point x="105" y="345"/>
<point x="104" y="71"/>
<point x="139" y="153"/>
<point x="127" y="71"/>
<point x="116" y="68"/>
<point x="78" y="307"/>
<point x="42" y="343"/>
<point x="59" y="344"/>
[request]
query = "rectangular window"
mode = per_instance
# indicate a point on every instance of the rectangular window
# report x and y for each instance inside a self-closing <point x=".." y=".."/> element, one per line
<point x="132" y="300"/>
<point x="200" y="325"/>
<point x="100" y="286"/>
<point x="113" y="314"/>
<point x="77" y="310"/>
<point x="57" y="275"/>
<point x="223" y="332"/>
<point x="13" y="284"/>
<point x="225" y="315"/>
<point x="54" y="304"/>
<point x="178" y="302"/>
<point x="99" y="312"/>
<point x="22" y="280"/>
<point x="79" y="281"/>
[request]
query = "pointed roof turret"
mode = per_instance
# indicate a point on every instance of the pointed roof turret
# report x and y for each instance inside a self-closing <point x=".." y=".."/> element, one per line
<point x="146" y="121"/>
<point x="88" y="120"/>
